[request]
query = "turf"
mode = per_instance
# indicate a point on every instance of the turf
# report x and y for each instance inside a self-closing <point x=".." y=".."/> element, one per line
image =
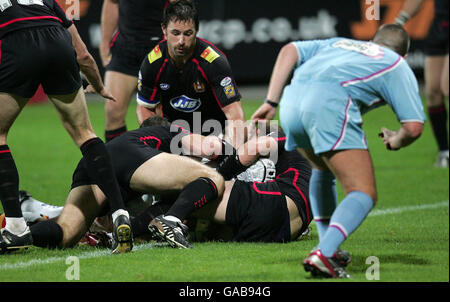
<point x="408" y="231"/>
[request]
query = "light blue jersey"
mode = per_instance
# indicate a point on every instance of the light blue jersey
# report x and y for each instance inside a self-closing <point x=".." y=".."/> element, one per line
<point x="335" y="82"/>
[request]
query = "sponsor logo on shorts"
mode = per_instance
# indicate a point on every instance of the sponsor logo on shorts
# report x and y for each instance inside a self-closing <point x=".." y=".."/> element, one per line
<point x="185" y="104"/>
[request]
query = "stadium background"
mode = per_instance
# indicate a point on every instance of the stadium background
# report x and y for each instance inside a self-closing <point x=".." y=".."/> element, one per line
<point x="252" y="32"/>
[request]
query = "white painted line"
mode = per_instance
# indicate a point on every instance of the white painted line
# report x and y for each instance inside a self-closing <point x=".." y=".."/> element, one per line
<point x="408" y="209"/>
<point x="87" y="255"/>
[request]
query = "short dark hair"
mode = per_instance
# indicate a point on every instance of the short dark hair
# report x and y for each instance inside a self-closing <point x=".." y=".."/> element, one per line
<point x="155" y="121"/>
<point x="181" y="10"/>
<point x="393" y="36"/>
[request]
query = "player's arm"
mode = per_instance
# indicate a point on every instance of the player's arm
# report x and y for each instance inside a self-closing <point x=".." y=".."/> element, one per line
<point x="236" y="127"/>
<point x="409" y="10"/>
<point x="209" y="147"/>
<point x="88" y="66"/>
<point x="285" y="63"/>
<point x="109" y="23"/>
<point x="247" y="155"/>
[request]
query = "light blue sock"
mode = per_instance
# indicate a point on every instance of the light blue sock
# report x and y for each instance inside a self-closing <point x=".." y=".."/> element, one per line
<point x="323" y="198"/>
<point x="347" y="217"/>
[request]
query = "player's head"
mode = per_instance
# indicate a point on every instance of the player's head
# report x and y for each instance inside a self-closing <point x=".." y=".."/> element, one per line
<point x="155" y="121"/>
<point x="180" y="26"/>
<point x="393" y="36"/>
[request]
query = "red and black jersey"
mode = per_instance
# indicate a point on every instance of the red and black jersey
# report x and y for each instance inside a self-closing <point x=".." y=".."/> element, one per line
<point x="197" y="93"/>
<point x="21" y="14"/>
<point x="140" y="20"/>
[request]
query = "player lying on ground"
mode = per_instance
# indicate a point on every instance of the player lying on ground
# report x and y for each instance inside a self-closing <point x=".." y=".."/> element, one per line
<point x="142" y="164"/>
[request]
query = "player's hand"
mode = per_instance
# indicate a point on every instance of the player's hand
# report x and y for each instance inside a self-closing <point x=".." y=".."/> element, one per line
<point x="390" y="140"/>
<point x="264" y="112"/>
<point x="104" y="93"/>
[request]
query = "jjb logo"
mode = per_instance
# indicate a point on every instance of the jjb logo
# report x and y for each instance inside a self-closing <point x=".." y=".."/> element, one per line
<point x="185" y="104"/>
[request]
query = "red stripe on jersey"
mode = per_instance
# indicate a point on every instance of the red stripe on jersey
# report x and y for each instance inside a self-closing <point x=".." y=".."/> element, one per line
<point x="155" y="88"/>
<point x="294" y="183"/>
<point x="113" y="40"/>
<point x="29" y="18"/>
<point x="146" y="138"/>
<point x="167" y="3"/>
<point x="265" y="192"/>
<point x="5" y="151"/>
<point x="215" y="47"/>
<point x="207" y="80"/>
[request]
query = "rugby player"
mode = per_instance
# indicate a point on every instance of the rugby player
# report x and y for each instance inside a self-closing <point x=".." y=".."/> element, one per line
<point x="40" y="45"/>
<point x="142" y="164"/>
<point x="191" y="79"/>
<point x="335" y="81"/>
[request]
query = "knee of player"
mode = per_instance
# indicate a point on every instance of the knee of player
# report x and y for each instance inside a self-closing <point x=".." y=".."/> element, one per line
<point x="433" y="93"/>
<point x="217" y="179"/>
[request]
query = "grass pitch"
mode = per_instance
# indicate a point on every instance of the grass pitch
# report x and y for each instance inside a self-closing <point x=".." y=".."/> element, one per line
<point x="404" y="239"/>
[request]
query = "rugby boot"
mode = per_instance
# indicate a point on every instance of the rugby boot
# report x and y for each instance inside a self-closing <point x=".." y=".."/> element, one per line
<point x="10" y="242"/>
<point x="172" y="232"/>
<point x="122" y="235"/>
<point x="321" y="266"/>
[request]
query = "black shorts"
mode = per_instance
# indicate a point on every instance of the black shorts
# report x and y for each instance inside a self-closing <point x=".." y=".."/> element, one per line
<point x="436" y="43"/>
<point x="126" y="157"/>
<point x="39" y="55"/>
<point x="127" y="57"/>
<point x="258" y="212"/>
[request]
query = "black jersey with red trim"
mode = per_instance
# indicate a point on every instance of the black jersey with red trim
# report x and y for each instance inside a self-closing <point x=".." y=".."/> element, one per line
<point x="22" y="14"/>
<point x="197" y="93"/>
<point x="140" y="20"/>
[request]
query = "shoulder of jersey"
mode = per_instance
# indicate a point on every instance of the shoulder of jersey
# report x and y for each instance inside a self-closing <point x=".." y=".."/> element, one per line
<point x="155" y="54"/>
<point x="210" y="54"/>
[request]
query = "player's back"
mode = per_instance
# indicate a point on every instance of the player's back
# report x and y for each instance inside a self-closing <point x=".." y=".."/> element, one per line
<point x="20" y="14"/>
<point x="359" y="67"/>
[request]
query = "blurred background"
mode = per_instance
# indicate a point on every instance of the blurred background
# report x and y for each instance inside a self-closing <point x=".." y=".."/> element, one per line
<point x="251" y="32"/>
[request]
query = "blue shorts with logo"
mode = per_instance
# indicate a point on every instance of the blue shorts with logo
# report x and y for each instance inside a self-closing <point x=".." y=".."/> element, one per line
<point x="320" y="116"/>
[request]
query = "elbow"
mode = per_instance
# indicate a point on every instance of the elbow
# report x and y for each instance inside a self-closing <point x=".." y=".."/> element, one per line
<point x="414" y="129"/>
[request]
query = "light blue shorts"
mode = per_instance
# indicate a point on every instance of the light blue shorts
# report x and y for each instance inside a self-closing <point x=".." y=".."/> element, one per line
<point x="320" y="116"/>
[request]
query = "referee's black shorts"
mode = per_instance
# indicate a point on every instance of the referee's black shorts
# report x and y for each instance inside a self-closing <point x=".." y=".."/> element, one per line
<point x="39" y="55"/>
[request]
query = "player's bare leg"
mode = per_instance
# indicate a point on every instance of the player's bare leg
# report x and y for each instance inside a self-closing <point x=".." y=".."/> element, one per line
<point x="122" y="86"/>
<point x="16" y="233"/>
<point x="75" y="118"/>
<point x="81" y="208"/>
<point x="435" y="89"/>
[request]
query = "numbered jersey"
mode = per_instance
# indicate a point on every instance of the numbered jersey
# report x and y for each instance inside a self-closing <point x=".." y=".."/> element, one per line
<point x="20" y="14"/>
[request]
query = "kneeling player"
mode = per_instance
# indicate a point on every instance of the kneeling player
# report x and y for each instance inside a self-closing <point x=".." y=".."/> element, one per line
<point x="142" y="164"/>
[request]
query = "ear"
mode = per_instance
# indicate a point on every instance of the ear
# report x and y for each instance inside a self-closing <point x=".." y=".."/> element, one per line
<point x="164" y="30"/>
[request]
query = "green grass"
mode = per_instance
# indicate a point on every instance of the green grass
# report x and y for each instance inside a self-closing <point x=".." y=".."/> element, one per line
<point x="412" y="245"/>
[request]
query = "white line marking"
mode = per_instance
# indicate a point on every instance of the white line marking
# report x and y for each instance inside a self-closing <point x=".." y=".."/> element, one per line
<point x="408" y="209"/>
<point x="101" y="253"/>
<point x="87" y="255"/>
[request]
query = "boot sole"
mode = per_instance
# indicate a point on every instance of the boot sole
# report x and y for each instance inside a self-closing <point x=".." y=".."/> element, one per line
<point x="123" y="235"/>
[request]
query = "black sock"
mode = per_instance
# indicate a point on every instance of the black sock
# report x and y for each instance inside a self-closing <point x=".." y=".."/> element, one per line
<point x="100" y="169"/>
<point x="9" y="183"/>
<point x="46" y="234"/>
<point x="195" y="195"/>
<point x="111" y="134"/>
<point x="438" y="120"/>
<point x="139" y="224"/>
